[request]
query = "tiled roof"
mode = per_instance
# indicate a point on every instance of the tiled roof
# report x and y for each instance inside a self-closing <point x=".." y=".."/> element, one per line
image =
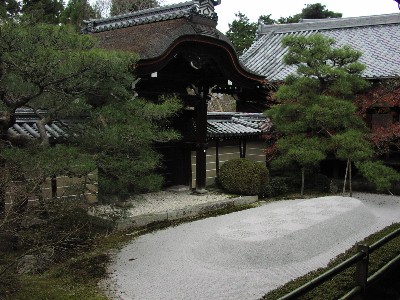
<point x="188" y="9"/>
<point x="377" y="37"/>
<point x="26" y="125"/>
<point x="158" y="34"/>
<point x="231" y="125"/>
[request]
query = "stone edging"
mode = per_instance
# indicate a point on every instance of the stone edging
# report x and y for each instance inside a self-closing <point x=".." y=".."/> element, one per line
<point x="187" y="212"/>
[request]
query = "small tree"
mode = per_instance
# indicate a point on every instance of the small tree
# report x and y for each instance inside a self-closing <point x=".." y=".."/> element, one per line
<point x="311" y="11"/>
<point x="77" y="11"/>
<point x="241" y="32"/>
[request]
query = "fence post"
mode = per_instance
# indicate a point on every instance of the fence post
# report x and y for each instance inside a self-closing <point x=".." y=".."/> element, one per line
<point x="361" y="274"/>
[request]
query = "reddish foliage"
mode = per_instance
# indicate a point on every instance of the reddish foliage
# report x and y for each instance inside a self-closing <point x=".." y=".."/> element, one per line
<point x="270" y="152"/>
<point x="386" y="138"/>
<point x="382" y="95"/>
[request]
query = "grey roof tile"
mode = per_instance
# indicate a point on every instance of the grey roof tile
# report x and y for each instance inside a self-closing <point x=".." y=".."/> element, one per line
<point x="233" y="125"/>
<point x="163" y="13"/>
<point x="377" y="37"/>
<point x="26" y="125"/>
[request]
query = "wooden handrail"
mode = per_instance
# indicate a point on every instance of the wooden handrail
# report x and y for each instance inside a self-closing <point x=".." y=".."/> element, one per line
<point x="361" y="259"/>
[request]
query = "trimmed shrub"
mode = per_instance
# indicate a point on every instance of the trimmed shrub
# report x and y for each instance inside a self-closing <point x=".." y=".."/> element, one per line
<point x="277" y="186"/>
<point x="244" y="177"/>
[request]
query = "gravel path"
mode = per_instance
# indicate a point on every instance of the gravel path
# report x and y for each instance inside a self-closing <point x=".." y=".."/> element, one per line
<point x="159" y="202"/>
<point x="245" y="254"/>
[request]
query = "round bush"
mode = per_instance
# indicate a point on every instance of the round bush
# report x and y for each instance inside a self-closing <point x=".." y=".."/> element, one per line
<point x="244" y="177"/>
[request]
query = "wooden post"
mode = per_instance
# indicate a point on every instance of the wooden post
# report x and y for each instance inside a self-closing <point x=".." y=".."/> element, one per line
<point x="350" y="180"/>
<point x="201" y="140"/>
<point x="217" y="158"/>
<point x="361" y="274"/>
<point x="54" y="187"/>
<point x="345" y="177"/>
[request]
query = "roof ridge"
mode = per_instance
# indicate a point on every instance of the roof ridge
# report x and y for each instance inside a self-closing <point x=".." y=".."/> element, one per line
<point x="333" y="23"/>
<point x="188" y="9"/>
<point x="141" y="13"/>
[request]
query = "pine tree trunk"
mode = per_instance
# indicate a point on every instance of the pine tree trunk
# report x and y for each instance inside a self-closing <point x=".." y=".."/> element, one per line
<point x="302" y="181"/>
<point x="350" y="183"/>
<point x="345" y="177"/>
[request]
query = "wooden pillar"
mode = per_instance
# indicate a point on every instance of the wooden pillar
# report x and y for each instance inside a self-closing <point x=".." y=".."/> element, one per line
<point x="201" y="140"/>
<point x="242" y="148"/>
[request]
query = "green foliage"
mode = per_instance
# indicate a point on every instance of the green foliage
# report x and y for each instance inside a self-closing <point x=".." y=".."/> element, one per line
<point x="352" y="144"/>
<point x="318" y="11"/>
<point x="379" y="174"/>
<point x="277" y="186"/>
<point x="77" y="11"/>
<point x="305" y="151"/>
<point x="9" y="285"/>
<point x="121" y="136"/>
<point x="311" y="11"/>
<point x="55" y="69"/>
<point x="336" y="69"/>
<point x="42" y="11"/>
<point x="34" y="164"/>
<point x="241" y="32"/>
<point x="88" y="267"/>
<point x="9" y="9"/>
<point x="316" y="115"/>
<point x="244" y="177"/>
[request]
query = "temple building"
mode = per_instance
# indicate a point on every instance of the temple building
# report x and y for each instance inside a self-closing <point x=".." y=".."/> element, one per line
<point x="181" y="52"/>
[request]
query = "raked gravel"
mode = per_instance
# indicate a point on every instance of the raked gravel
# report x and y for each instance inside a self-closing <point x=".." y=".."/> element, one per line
<point x="245" y="254"/>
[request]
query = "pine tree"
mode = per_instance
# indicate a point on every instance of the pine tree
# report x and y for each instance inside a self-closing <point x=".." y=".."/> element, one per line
<point x="316" y="115"/>
<point x="55" y="69"/>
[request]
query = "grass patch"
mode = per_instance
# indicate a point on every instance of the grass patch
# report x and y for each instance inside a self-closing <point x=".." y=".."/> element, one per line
<point x="343" y="282"/>
<point x="49" y="287"/>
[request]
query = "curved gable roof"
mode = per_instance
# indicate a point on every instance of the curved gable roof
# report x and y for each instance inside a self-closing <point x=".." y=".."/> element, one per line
<point x="156" y="34"/>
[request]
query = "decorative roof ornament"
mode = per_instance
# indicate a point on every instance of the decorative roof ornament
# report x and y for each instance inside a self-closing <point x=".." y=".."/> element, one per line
<point x="206" y="8"/>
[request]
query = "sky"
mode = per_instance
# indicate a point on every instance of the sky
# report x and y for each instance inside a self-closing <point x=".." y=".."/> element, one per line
<point x="284" y="8"/>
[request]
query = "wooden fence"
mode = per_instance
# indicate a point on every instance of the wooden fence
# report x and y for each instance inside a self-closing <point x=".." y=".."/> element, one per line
<point x="59" y="187"/>
<point x="361" y="261"/>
